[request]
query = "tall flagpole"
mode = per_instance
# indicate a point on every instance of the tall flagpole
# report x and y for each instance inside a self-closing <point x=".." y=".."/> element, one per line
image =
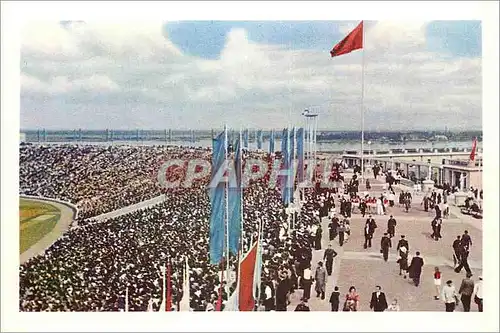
<point x="164" y="280"/>
<point x="241" y="190"/>
<point x="227" y="206"/>
<point x="363" y="106"/>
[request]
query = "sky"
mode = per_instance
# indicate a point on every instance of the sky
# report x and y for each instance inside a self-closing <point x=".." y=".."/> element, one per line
<point x="257" y="74"/>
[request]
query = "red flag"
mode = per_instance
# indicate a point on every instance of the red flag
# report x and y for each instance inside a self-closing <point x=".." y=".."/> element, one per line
<point x="168" y="303"/>
<point x="218" y="305"/>
<point x="247" y="269"/>
<point x="351" y="42"/>
<point x="473" y="152"/>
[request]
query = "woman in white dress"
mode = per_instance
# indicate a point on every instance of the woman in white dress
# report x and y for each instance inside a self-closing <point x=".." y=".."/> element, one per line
<point x="380" y="209"/>
<point x="437" y="282"/>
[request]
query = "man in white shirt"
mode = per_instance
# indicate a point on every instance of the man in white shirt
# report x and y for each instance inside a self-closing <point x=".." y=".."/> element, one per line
<point x="449" y="296"/>
<point x="307" y="282"/>
<point x="478" y="294"/>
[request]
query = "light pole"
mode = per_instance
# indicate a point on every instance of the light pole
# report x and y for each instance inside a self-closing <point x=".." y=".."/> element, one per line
<point x="369" y="154"/>
<point x="311" y="119"/>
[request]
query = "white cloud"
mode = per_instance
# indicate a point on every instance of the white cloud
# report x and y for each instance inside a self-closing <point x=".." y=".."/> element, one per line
<point x="135" y="76"/>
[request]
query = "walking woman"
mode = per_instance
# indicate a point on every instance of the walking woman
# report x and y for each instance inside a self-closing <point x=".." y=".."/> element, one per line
<point x="351" y="300"/>
<point x="437" y="282"/>
<point x="403" y="261"/>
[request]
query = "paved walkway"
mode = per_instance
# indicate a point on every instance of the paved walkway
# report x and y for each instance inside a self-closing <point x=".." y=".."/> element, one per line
<point x="364" y="269"/>
<point x="67" y="215"/>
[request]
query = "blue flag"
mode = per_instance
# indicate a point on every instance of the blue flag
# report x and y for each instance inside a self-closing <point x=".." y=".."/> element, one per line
<point x="300" y="155"/>
<point x="285" y="165"/>
<point x="291" y="159"/>
<point x="245" y="139"/>
<point x="259" y="139"/>
<point x="271" y="142"/>
<point x="217" y="201"/>
<point x="234" y="201"/>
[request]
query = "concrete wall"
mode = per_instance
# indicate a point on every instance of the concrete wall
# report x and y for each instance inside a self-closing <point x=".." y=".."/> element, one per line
<point x="476" y="179"/>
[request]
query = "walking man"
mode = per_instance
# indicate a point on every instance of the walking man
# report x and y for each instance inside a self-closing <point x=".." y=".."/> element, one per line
<point x="456" y="250"/>
<point x="478" y="294"/>
<point x="385" y="245"/>
<point x="391" y="226"/>
<point x="449" y="296"/>
<point x="415" y="269"/>
<point x="464" y="255"/>
<point x="403" y="243"/>
<point x="328" y="257"/>
<point x="320" y="277"/>
<point x="318" y="237"/>
<point x="370" y="227"/>
<point x="335" y="299"/>
<point x="333" y="227"/>
<point x="466" y="290"/>
<point x="466" y="241"/>
<point x="378" y="302"/>
<point x="342" y="229"/>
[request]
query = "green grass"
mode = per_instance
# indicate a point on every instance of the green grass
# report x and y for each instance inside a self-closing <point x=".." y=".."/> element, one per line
<point x="32" y="230"/>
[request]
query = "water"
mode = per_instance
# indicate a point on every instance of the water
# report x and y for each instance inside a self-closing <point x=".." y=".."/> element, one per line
<point x="203" y="139"/>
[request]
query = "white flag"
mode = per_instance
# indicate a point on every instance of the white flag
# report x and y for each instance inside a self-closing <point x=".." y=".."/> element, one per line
<point x="126" y="300"/>
<point x="233" y="302"/>
<point x="186" y="294"/>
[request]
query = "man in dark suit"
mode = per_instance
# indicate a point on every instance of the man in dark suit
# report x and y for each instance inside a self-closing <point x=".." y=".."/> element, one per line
<point x="391" y="226"/>
<point x="464" y="256"/>
<point x="456" y="249"/>
<point x="335" y="299"/>
<point x="370" y="227"/>
<point x="415" y="269"/>
<point x="403" y="242"/>
<point x="466" y="290"/>
<point x="378" y="302"/>
<point x="328" y="257"/>
<point x="466" y="240"/>
<point x="333" y="227"/>
<point x="362" y="207"/>
<point x="385" y="245"/>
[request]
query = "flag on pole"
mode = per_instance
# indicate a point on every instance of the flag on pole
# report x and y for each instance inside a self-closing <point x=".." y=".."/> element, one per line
<point x="353" y="41"/>
<point x="247" y="271"/>
<point x="291" y="165"/>
<point x="259" y="139"/>
<point x="234" y="201"/>
<point x="473" y="151"/>
<point x="271" y="142"/>
<point x="300" y="155"/>
<point x="232" y="303"/>
<point x="284" y="152"/>
<point x="245" y="138"/>
<point x="257" y="277"/>
<point x="218" y="305"/>
<point x="217" y="201"/>
<point x="168" y="297"/>
<point x="186" y="293"/>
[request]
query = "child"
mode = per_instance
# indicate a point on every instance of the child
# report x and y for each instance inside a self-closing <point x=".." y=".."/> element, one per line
<point x="437" y="282"/>
<point x="335" y="299"/>
<point x="394" y="306"/>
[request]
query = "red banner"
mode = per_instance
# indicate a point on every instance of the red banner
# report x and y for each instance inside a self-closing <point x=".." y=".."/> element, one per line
<point x="247" y="268"/>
